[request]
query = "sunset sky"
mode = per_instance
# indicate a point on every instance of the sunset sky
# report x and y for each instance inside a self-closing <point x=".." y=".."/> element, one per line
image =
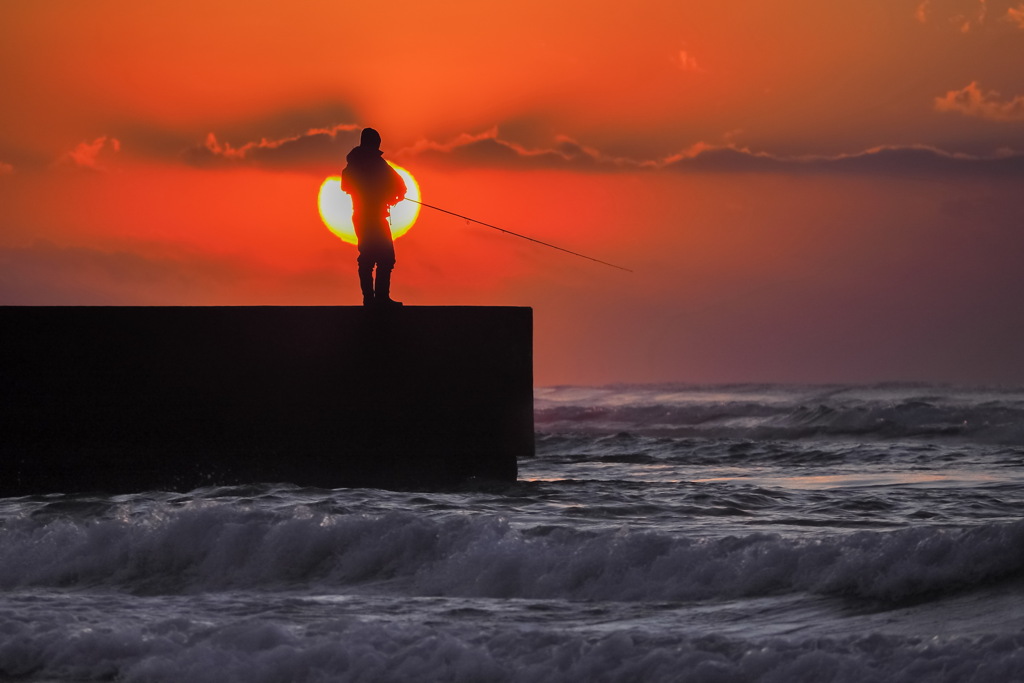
<point x="806" y="191"/>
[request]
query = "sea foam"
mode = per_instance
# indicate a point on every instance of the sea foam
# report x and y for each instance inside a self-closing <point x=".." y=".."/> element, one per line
<point x="214" y="547"/>
<point x="786" y="412"/>
<point x="258" y="651"/>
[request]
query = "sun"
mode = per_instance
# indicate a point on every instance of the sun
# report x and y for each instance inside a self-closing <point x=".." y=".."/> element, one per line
<point x="336" y="207"/>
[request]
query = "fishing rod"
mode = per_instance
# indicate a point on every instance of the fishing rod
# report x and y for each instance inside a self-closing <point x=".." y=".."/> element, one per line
<point x="516" y="234"/>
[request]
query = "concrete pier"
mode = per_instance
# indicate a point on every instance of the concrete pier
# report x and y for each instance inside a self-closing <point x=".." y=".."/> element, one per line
<point x="122" y="399"/>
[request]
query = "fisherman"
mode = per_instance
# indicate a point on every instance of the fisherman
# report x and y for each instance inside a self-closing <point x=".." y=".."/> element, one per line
<point x="375" y="187"/>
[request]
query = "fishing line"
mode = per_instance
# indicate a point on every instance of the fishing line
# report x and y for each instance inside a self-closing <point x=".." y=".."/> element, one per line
<point x="516" y="234"/>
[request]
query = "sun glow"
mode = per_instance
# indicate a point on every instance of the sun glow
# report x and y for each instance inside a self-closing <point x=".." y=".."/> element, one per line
<point x="336" y="207"/>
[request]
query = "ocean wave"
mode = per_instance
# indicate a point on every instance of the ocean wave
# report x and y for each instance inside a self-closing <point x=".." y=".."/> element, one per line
<point x="258" y="651"/>
<point x="784" y="412"/>
<point x="214" y="547"/>
<point x="629" y="449"/>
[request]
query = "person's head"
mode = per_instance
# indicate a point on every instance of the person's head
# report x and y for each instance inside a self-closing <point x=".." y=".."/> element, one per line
<point x="369" y="138"/>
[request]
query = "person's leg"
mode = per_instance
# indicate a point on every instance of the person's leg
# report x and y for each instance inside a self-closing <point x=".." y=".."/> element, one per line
<point x="366" y="278"/>
<point x="382" y="286"/>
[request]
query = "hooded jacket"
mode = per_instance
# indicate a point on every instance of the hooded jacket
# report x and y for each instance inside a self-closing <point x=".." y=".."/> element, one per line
<point x="373" y="184"/>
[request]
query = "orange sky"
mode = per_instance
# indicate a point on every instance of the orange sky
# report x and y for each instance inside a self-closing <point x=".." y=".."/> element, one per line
<point x="806" y="191"/>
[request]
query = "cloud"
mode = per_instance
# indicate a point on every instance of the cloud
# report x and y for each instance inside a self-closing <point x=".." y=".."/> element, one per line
<point x="330" y="145"/>
<point x="971" y="101"/>
<point x="1016" y="15"/>
<point x="963" y="15"/>
<point x="886" y="160"/>
<point x="91" y="155"/>
<point x="922" y="11"/>
<point x="316" y="145"/>
<point x="6" y="169"/>
<point x="687" y="62"/>
<point x="488" y="149"/>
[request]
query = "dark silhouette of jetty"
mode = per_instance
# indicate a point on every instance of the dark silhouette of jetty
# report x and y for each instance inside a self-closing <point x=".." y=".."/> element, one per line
<point x="121" y="399"/>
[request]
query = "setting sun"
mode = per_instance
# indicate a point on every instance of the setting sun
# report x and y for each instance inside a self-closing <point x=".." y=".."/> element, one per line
<point x="336" y="207"/>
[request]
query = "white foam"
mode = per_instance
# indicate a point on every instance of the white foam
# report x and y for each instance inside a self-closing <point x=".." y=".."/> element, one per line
<point x="256" y="651"/>
<point x="221" y="546"/>
<point x="786" y="412"/>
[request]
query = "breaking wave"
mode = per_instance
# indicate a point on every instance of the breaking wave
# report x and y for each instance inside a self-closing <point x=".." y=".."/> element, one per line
<point x="215" y="547"/>
<point x="257" y="651"/>
<point x="786" y="412"/>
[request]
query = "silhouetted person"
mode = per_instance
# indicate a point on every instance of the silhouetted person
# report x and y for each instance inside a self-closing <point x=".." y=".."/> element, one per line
<point x="375" y="187"/>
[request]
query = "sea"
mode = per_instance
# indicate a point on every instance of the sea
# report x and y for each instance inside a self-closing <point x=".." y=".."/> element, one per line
<point x="660" y="533"/>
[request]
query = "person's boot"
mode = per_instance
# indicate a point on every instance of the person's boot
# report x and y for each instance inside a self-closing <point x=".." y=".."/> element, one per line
<point x="366" y="285"/>
<point x="382" y="291"/>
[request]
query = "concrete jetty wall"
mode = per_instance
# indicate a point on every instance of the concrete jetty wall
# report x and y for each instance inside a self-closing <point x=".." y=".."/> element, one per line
<point x="121" y="399"/>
